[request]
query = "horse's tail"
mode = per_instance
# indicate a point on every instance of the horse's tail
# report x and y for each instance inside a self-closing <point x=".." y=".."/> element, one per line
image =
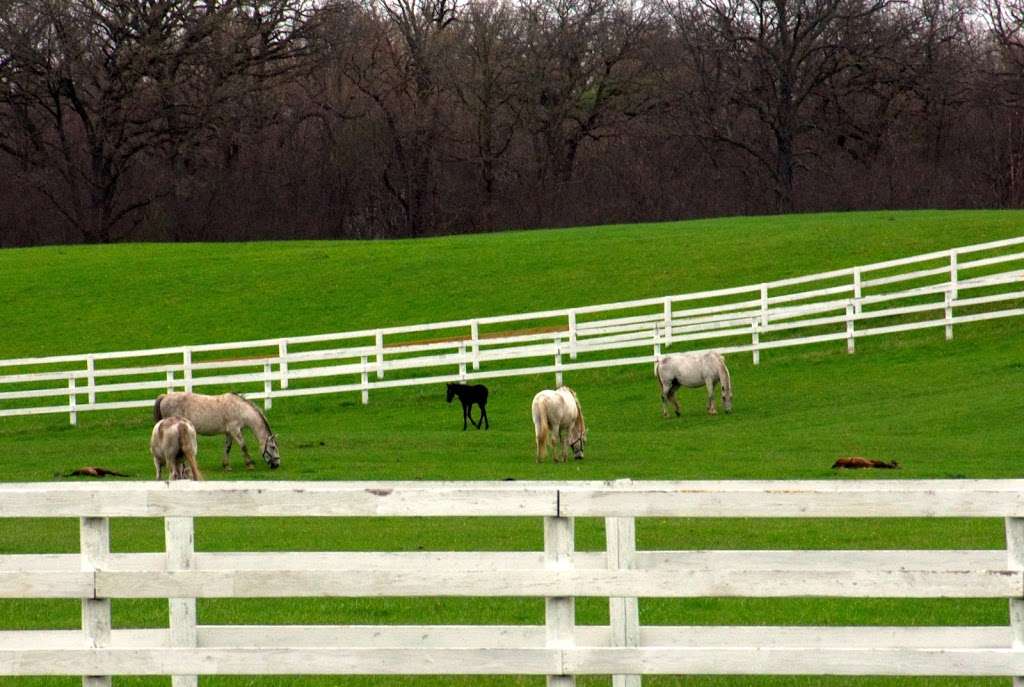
<point x="157" y="413"/>
<point x="540" y="423"/>
<point x="726" y="381"/>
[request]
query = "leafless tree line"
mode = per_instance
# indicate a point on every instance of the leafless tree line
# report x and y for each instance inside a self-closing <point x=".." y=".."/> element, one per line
<point x="242" y="119"/>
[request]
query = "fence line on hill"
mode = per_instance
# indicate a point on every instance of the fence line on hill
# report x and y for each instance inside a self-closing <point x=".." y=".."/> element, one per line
<point x="955" y="286"/>
<point x="559" y="648"/>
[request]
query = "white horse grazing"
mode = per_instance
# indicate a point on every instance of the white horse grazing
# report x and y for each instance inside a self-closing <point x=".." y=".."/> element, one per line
<point x="173" y="444"/>
<point x="558" y="418"/>
<point x="693" y="370"/>
<point x="225" y="414"/>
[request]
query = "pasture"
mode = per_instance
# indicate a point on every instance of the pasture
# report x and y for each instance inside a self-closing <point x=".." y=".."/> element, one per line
<point x="942" y="409"/>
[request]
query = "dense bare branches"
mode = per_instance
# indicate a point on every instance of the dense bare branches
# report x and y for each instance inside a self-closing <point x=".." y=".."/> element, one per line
<point x="189" y="119"/>
<point x="95" y="89"/>
<point x="767" y="68"/>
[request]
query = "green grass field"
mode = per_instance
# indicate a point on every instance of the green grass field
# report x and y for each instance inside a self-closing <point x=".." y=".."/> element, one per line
<point x="942" y="409"/>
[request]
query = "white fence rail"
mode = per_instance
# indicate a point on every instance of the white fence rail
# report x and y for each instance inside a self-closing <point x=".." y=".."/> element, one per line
<point x="560" y="648"/>
<point x="932" y="290"/>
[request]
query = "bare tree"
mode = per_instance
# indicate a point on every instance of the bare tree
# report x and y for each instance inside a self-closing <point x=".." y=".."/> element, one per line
<point x="481" y="69"/>
<point x="763" y="67"/>
<point x="583" y="71"/>
<point x="92" y="89"/>
<point x="398" y="73"/>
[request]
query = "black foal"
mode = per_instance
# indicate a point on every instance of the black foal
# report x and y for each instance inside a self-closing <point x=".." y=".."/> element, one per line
<point x="470" y="394"/>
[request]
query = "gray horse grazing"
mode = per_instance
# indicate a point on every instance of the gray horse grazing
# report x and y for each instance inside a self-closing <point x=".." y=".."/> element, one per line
<point x="693" y="370"/>
<point x="225" y="414"/>
<point x="558" y="419"/>
<point x="173" y="444"/>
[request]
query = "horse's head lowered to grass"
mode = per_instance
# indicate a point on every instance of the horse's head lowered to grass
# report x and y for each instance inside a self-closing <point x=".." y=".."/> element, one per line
<point x="271" y="453"/>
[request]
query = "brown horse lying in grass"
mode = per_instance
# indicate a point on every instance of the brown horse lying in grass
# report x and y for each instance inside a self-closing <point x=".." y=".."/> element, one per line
<point x="858" y="462"/>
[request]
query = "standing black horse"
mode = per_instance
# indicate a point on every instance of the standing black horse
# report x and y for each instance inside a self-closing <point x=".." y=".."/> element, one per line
<point x="470" y="394"/>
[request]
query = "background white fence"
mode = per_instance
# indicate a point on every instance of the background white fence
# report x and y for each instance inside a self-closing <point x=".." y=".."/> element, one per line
<point x="932" y="290"/>
<point x="560" y="648"/>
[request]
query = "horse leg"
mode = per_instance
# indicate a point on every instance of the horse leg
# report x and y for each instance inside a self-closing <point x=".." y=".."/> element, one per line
<point x="710" y="384"/>
<point x="483" y="416"/>
<point x="240" y="440"/>
<point x="673" y="396"/>
<point x="157" y="464"/>
<point x="665" y="391"/>
<point x="193" y="466"/>
<point x="225" y="463"/>
<point x="542" y="440"/>
<point x="465" y="414"/>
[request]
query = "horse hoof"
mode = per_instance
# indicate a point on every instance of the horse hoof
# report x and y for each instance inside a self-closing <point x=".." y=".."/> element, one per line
<point x="250" y="467"/>
<point x="226" y="468"/>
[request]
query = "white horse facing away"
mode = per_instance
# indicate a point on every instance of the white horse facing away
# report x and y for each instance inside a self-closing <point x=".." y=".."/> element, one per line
<point x="173" y="445"/>
<point x="693" y="370"/>
<point x="558" y="419"/>
<point x="224" y="414"/>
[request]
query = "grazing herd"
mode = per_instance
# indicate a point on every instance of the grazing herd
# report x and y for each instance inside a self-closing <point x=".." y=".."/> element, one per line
<point x="557" y="416"/>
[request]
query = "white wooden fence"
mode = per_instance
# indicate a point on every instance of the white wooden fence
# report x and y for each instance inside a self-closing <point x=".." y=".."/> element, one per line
<point x="932" y="290"/>
<point x="560" y="648"/>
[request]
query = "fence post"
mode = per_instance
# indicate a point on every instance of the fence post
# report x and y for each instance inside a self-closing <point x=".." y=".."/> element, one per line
<point x="462" y="361"/>
<point x="572" y="335"/>
<point x="755" y="339"/>
<point x="90" y="373"/>
<point x="857" y="293"/>
<point x="668" y="322"/>
<point x="282" y="365"/>
<point x="268" y="386"/>
<point x="72" y="400"/>
<point x="364" y="380"/>
<point x="474" y="333"/>
<point x="558" y="362"/>
<point x="1015" y="557"/>
<point x="186" y="356"/>
<point x="179" y="536"/>
<point x="94" y="534"/>
<point x="949" y="315"/>
<point x="379" y="343"/>
<point x="954" y="274"/>
<point x="623" y="612"/>
<point x="764" y="305"/>
<point x="559" y="611"/>
<point x="170" y="381"/>
<point x="657" y="344"/>
<point x="850" y="345"/>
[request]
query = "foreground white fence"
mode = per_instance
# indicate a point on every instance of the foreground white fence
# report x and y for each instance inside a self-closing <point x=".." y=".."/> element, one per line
<point x="933" y="290"/>
<point x="560" y="648"/>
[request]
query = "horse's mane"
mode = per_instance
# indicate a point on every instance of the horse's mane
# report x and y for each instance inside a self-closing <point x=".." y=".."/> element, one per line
<point x="266" y="423"/>
<point x="579" y="416"/>
<point x="579" y="409"/>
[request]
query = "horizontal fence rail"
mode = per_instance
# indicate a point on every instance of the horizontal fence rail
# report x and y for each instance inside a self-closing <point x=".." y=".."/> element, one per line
<point x="933" y="290"/>
<point x="560" y="649"/>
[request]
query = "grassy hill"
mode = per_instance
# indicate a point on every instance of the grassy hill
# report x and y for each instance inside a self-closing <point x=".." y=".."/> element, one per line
<point x="91" y="298"/>
<point x="942" y="409"/>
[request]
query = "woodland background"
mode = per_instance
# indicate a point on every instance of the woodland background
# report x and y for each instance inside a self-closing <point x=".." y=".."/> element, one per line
<point x="186" y="120"/>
